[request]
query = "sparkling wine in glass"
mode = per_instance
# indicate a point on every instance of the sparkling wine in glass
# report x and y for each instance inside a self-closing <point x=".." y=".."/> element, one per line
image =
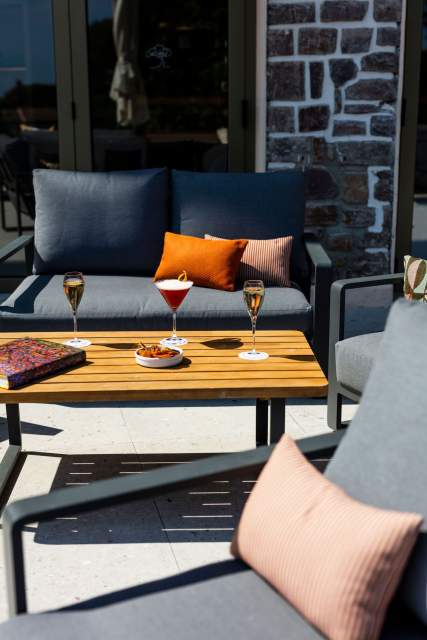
<point x="74" y="286"/>
<point x="174" y="292"/>
<point x="253" y="295"/>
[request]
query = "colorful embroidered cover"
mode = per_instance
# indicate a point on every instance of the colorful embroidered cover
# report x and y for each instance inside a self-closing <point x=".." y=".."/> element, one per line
<point x="28" y="359"/>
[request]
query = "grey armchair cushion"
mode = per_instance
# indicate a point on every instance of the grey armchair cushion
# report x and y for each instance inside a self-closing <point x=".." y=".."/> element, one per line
<point x="100" y="222"/>
<point x="134" y="303"/>
<point x="223" y="601"/>
<point x="242" y="205"/>
<point x="383" y="458"/>
<point x="354" y="359"/>
<point x="218" y="602"/>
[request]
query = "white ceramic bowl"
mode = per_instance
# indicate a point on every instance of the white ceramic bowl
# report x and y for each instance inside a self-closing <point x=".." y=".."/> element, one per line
<point x="160" y="363"/>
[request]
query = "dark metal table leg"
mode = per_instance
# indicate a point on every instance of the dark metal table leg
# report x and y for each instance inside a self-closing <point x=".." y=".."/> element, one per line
<point x="277" y="419"/>
<point x="14" y="424"/>
<point x="11" y="457"/>
<point x="261" y="423"/>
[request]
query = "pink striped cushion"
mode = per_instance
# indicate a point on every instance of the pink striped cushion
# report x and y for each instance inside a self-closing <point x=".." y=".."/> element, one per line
<point x="266" y="260"/>
<point x="336" y="560"/>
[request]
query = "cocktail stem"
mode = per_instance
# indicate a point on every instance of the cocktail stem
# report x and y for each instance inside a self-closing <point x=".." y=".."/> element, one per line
<point x="253" y="333"/>
<point x="174" y="324"/>
<point x="75" y="324"/>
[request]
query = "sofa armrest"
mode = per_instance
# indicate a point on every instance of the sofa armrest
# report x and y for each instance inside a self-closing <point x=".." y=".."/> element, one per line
<point x="338" y="305"/>
<point x="23" y="242"/>
<point x="321" y="269"/>
<point x="107" y="493"/>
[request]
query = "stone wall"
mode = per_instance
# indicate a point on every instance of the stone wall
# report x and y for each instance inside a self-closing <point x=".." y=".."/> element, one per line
<point x="332" y="89"/>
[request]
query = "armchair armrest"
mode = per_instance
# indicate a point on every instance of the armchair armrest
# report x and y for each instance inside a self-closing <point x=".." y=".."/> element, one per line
<point x="338" y="306"/>
<point x="107" y="493"/>
<point x="321" y="267"/>
<point x="23" y="242"/>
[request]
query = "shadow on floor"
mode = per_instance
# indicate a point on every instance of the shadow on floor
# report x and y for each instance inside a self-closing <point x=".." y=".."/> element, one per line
<point x="205" y="513"/>
<point x="29" y="428"/>
<point x="194" y="576"/>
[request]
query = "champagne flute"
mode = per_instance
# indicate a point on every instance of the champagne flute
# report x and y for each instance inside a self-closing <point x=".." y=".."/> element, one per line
<point x="74" y="286"/>
<point x="253" y="295"/>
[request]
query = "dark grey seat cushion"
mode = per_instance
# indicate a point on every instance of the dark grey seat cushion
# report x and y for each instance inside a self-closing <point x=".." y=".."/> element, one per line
<point x="216" y="602"/>
<point x="383" y="458"/>
<point x="242" y="205"/>
<point x="222" y="601"/>
<point x="133" y="303"/>
<point x="100" y="222"/>
<point x="354" y="359"/>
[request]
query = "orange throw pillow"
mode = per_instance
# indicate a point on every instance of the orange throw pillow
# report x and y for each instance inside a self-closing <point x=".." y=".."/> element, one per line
<point x="207" y="264"/>
<point x="336" y="560"/>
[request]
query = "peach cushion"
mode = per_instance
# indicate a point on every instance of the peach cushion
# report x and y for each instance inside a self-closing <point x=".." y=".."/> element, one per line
<point x="266" y="260"/>
<point x="336" y="560"/>
<point x="208" y="264"/>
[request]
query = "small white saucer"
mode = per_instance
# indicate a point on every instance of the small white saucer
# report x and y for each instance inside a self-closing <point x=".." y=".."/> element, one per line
<point x="160" y="363"/>
<point x="78" y="343"/>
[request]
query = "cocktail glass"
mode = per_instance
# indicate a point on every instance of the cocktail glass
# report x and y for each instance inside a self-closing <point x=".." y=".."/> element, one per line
<point x="174" y="292"/>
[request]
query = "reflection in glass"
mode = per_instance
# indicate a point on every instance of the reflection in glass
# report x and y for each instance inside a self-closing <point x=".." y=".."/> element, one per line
<point x="158" y="74"/>
<point x="28" y="112"/>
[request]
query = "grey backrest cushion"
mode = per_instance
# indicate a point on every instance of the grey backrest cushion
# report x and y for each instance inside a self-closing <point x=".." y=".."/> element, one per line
<point x="242" y="205"/>
<point x="383" y="457"/>
<point x="100" y="222"/>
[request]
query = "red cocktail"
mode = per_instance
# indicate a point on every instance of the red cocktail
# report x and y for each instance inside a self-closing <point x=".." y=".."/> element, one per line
<point x="174" y="292"/>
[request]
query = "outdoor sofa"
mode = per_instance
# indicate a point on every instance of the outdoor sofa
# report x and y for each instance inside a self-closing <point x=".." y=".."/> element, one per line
<point x="380" y="460"/>
<point x="351" y="359"/>
<point x="111" y="227"/>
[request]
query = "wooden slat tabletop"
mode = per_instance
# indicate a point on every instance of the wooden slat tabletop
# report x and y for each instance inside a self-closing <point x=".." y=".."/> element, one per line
<point x="211" y="369"/>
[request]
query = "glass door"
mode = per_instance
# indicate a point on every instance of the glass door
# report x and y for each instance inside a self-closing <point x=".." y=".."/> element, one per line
<point x="160" y="91"/>
<point x="419" y="223"/>
<point x="409" y="233"/>
<point x="28" y="107"/>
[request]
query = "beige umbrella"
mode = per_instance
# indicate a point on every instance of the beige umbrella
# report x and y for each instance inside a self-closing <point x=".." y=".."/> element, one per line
<point x="127" y="87"/>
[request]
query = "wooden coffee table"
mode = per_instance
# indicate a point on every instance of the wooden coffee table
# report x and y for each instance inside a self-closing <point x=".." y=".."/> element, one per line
<point x="211" y="369"/>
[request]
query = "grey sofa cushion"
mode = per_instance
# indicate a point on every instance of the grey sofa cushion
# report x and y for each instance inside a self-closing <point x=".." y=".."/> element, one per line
<point x="134" y="303"/>
<point x="354" y="359"/>
<point x="100" y="222"/>
<point x="224" y="601"/>
<point x="242" y="205"/>
<point x="383" y="458"/>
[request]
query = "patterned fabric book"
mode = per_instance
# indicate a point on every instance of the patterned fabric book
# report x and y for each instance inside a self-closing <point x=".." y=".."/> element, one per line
<point x="27" y="359"/>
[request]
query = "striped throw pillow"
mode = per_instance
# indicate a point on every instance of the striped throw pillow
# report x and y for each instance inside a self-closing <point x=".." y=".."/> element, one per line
<point x="266" y="260"/>
<point x="336" y="560"/>
<point x="415" y="279"/>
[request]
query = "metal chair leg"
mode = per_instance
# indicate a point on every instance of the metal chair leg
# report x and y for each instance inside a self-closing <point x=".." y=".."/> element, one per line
<point x="277" y="419"/>
<point x="334" y="410"/>
<point x="261" y="423"/>
<point x="10" y="459"/>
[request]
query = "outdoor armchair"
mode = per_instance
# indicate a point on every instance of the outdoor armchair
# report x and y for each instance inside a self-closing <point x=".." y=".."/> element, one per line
<point x="351" y="359"/>
<point x="227" y="599"/>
